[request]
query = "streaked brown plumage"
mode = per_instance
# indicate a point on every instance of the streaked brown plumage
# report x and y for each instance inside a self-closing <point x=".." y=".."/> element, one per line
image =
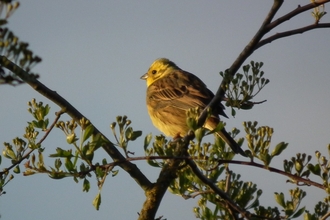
<point x="172" y="91"/>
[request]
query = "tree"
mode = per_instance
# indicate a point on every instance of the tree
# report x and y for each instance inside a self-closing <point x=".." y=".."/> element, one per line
<point x="181" y="175"/>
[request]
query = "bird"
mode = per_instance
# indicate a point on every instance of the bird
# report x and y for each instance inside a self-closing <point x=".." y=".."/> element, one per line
<point x="171" y="92"/>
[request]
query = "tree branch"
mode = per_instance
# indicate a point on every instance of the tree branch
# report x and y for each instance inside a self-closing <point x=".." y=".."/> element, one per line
<point x="326" y="216"/>
<point x="113" y="152"/>
<point x="291" y="32"/>
<point x="272" y="169"/>
<point x="266" y="26"/>
<point x="180" y="158"/>
<point x="154" y="194"/>
<point x="217" y="190"/>
<point x="248" y="50"/>
<point x="298" y="10"/>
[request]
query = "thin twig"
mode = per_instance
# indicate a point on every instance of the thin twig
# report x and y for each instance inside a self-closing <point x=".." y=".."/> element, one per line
<point x="325" y="216"/>
<point x="194" y="195"/>
<point x="254" y="164"/>
<point x="247" y="51"/>
<point x="217" y="190"/>
<point x="58" y="115"/>
<point x="291" y="32"/>
<point x="293" y="13"/>
<point x="272" y="169"/>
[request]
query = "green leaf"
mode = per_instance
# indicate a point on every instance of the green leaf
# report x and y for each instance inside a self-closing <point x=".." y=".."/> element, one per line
<point x="41" y="159"/>
<point x="58" y="163"/>
<point x="233" y="112"/>
<point x="199" y="134"/>
<point x="147" y="141"/>
<point x="192" y="123"/>
<point x="308" y="216"/>
<point x="216" y="129"/>
<point x="128" y="133"/>
<point x="86" y="185"/>
<point x="45" y="124"/>
<point x="104" y="161"/>
<point x="279" y="198"/>
<point x="9" y="153"/>
<point x="88" y="151"/>
<point x="153" y="163"/>
<point x="279" y="148"/>
<point x="132" y="135"/>
<point x="35" y="124"/>
<point x="246" y="68"/>
<point x="62" y="153"/>
<point x="98" y="141"/>
<point x="68" y="164"/>
<point x="46" y="110"/>
<point x="16" y="169"/>
<point x="288" y="212"/>
<point x="299" y="212"/>
<point x="266" y="158"/>
<point x="71" y="138"/>
<point x="298" y="166"/>
<point x="99" y="172"/>
<point x="316" y="170"/>
<point x="97" y="201"/>
<point x="83" y="167"/>
<point x="87" y="132"/>
<point x="115" y="172"/>
<point x="28" y="173"/>
<point x="135" y="135"/>
<point x="56" y="175"/>
<point x="255" y="203"/>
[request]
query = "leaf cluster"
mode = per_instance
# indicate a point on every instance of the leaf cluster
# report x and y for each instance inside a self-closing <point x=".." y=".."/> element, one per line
<point x="14" y="49"/>
<point x="214" y="161"/>
<point x="242" y="88"/>
<point x="126" y="133"/>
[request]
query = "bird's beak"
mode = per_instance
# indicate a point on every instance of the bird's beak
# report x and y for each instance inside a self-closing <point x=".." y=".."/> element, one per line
<point x="144" y="77"/>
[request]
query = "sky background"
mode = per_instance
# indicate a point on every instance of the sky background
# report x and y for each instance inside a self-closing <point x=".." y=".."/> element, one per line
<point x="94" y="53"/>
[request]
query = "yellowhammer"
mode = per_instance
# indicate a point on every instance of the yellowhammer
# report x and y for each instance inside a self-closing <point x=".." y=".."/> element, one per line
<point x="172" y="91"/>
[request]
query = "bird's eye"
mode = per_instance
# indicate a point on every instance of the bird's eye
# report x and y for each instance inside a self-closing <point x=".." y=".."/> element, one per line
<point x="154" y="72"/>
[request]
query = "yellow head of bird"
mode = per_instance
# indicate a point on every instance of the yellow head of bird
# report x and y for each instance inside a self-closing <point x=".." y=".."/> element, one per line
<point x="158" y="69"/>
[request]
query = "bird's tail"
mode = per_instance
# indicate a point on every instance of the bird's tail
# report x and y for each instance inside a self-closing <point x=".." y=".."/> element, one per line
<point x="212" y="123"/>
<point x="231" y="142"/>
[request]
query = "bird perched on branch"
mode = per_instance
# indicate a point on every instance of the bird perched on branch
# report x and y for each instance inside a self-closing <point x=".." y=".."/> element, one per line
<point x="171" y="92"/>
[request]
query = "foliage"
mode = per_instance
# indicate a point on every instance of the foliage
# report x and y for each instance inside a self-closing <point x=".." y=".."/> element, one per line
<point x="213" y="159"/>
<point x="190" y="167"/>
<point x="13" y="48"/>
<point x="241" y="88"/>
<point x="76" y="161"/>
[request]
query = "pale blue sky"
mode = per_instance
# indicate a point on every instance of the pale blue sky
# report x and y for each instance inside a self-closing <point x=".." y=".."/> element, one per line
<point x="94" y="53"/>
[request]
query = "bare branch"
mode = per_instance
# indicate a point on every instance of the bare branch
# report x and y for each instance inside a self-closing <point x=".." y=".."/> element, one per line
<point x="298" y="10"/>
<point x="272" y="169"/>
<point x="291" y="32"/>
<point x="194" y="195"/>
<point x="180" y="158"/>
<point x="326" y="216"/>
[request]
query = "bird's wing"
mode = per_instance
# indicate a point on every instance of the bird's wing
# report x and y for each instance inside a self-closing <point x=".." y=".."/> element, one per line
<point x="179" y="89"/>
